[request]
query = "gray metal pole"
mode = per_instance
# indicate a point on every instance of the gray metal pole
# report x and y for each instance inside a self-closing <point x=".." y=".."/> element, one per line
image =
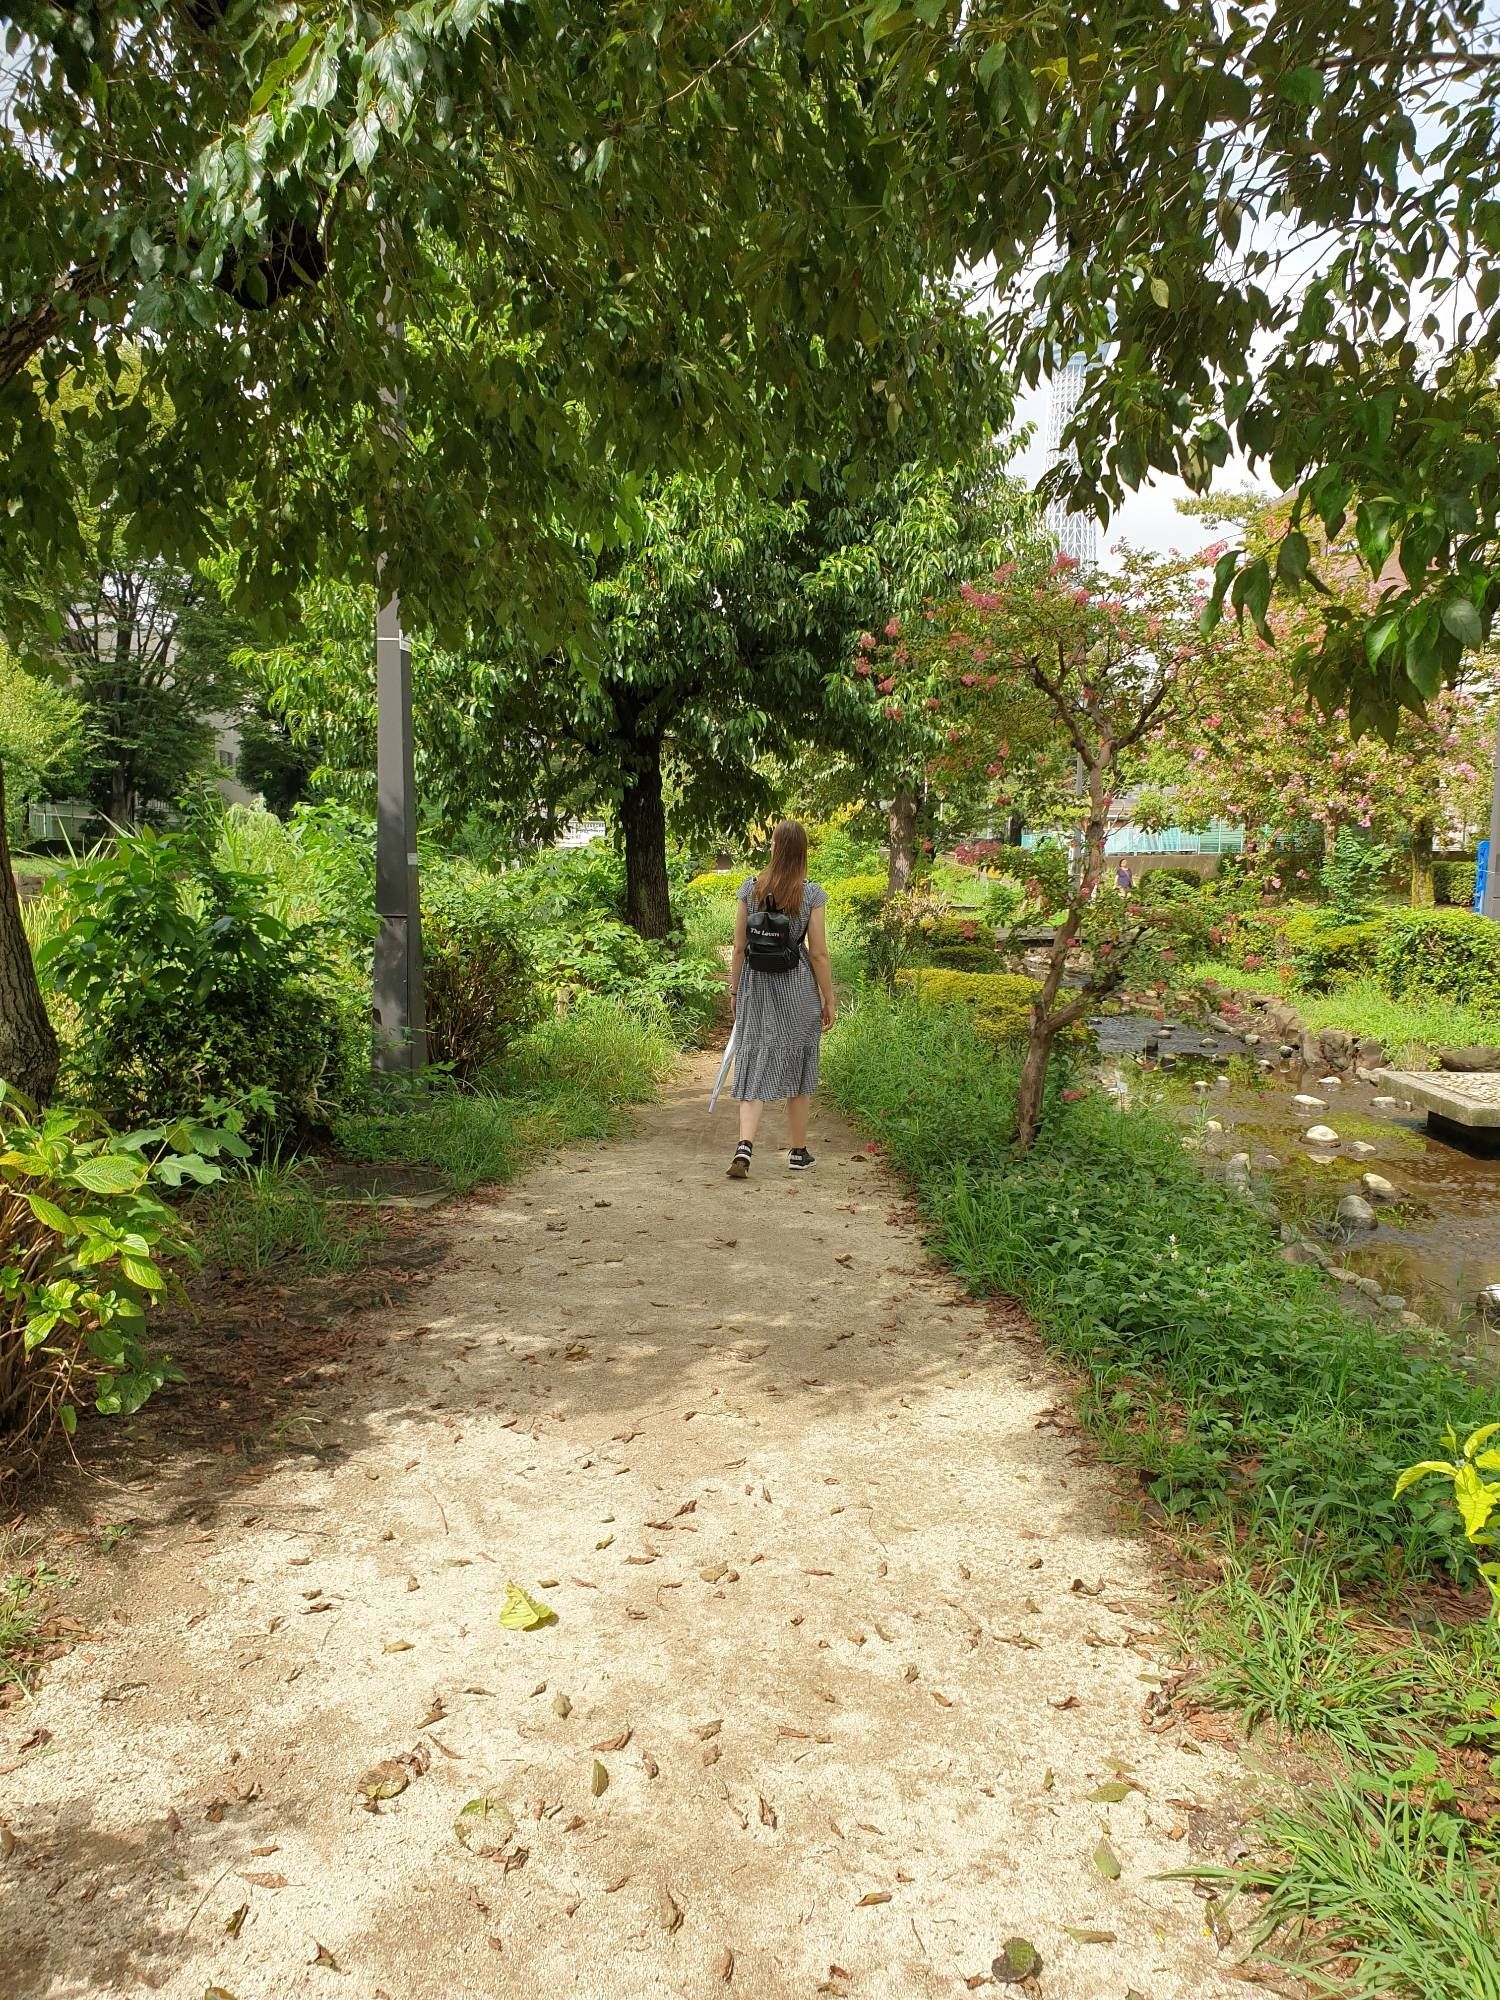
<point x="1491" y="904"/>
<point x="399" y="1012"/>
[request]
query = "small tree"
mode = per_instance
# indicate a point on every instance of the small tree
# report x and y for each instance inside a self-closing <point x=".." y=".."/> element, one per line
<point x="1107" y="663"/>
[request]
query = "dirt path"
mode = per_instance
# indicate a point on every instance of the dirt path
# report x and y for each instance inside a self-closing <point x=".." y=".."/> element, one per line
<point x="848" y="1637"/>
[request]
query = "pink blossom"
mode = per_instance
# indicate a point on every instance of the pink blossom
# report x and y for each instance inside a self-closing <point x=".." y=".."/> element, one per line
<point x="933" y="702"/>
<point x="866" y="642"/>
<point x="887" y="684"/>
<point x="1061" y="561"/>
<point x="863" y="669"/>
<point x="893" y="628"/>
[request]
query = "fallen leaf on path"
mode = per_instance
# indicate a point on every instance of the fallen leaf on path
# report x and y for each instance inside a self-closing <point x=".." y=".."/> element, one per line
<point x="724" y="1966"/>
<point x="562" y="1706"/>
<point x="324" y="1957"/>
<point x="941" y="1699"/>
<point x="217" y="1993"/>
<point x="604" y="1543"/>
<point x="263" y="1881"/>
<point x="234" y="1923"/>
<point x="599" y="1782"/>
<point x="711" y="1753"/>
<point x="872" y="1897"/>
<point x="523" y="1613"/>
<point x="669" y="1911"/>
<point x="1107" y="1861"/>
<point x="1110" y="1794"/>
<point x="260" y="1853"/>
<point x="486" y="1825"/>
<point x="714" y="1572"/>
<point x="1086" y="1934"/>
<point x="650" y="1766"/>
<point x="436" y="1713"/>
<point x="1063" y="1701"/>
<point x="704" y="1730"/>
<point x="1019" y="1960"/>
<point x="767" y="1813"/>
<point x="397" y="1646"/>
<point x="173" y="1822"/>
<point x="1087" y="1589"/>
<point x="613" y="1742"/>
<point x="611" y="1888"/>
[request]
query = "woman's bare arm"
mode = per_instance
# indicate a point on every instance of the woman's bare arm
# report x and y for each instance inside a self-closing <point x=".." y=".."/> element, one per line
<point x="737" y="957"/>
<point x="817" y="951"/>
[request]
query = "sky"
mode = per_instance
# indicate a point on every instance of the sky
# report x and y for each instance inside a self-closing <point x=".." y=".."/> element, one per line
<point x="1149" y="518"/>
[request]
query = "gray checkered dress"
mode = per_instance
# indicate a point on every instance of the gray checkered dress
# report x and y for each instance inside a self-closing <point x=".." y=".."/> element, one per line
<point x="780" y="1016"/>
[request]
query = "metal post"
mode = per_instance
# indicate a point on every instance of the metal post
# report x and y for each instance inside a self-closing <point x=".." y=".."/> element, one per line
<point x="400" y="1015"/>
<point x="1490" y="907"/>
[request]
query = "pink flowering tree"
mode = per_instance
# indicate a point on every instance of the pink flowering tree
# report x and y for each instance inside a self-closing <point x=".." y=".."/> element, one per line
<point x="1107" y="664"/>
<point x="1256" y="746"/>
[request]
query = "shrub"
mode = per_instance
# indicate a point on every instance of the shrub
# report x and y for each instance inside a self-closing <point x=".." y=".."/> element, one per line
<point x="715" y="884"/>
<point x="181" y="986"/>
<point x="1337" y="951"/>
<point x="1046" y="865"/>
<point x="1001" y="1001"/>
<point x="1448" y="952"/>
<point x="1453" y="881"/>
<point x="857" y="898"/>
<point x="966" y="944"/>
<point x="1357" y="874"/>
<point x="1183" y="908"/>
<point x="43" y="741"/>
<point x="481" y="984"/>
<point x="85" y="1242"/>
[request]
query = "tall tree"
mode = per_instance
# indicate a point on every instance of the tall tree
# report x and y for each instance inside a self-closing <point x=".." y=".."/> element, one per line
<point x="1271" y="229"/>
<point x="721" y="631"/>
<point x="607" y="240"/>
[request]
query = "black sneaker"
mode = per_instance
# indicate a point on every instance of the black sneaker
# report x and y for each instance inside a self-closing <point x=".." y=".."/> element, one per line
<point x="739" y="1166"/>
<point x="799" y="1159"/>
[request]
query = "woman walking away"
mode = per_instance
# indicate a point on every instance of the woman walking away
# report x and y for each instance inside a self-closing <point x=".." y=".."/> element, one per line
<point x="781" y="989"/>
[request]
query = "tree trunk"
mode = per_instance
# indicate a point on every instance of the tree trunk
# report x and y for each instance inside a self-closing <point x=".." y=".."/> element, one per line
<point x="643" y="819"/>
<point x="1033" y="1089"/>
<point x="901" y="827"/>
<point x="1423" y="891"/>
<point x="28" y="1047"/>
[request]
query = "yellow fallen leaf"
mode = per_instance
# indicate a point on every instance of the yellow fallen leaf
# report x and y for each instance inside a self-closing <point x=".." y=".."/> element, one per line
<point x="521" y="1613"/>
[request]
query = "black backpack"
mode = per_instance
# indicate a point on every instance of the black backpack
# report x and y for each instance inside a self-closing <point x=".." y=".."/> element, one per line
<point x="769" y="944"/>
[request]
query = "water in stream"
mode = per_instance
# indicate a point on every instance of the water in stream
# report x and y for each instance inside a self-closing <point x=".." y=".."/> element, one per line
<point x="1435" y="1246"/>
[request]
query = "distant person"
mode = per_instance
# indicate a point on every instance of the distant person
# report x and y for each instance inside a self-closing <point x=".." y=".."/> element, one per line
<point x="781" y="990"/>
<point x="1124" y="880"/>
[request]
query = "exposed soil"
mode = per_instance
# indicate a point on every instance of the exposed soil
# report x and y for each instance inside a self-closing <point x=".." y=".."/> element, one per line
<point x="852" y="1676"/>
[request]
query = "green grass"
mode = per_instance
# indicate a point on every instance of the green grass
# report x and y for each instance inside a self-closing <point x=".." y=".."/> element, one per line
<point x="1375" y="1892"/>
<point x="26" y="1584"/>
<point x="571" y="1078"/>
<point x="273" y="1217"/>
<point x="1411" y="1030"/>
<point x="1286" y="1652"/>
<point x="1227" y="1379"/>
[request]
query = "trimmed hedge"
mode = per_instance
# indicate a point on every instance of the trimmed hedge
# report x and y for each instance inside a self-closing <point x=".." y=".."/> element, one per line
<point x="1445" y="951"/>
<point x="1341" y="951"/>
<point x="1001" y="1001"/>
<point x="1453" y="881"/>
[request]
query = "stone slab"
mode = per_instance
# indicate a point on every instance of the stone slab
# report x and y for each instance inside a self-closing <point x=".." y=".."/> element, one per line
<point x="1467" y="1098"/>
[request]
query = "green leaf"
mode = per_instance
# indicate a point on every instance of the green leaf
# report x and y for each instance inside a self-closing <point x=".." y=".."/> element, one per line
<point x="1161" y="291"/>
<point x="1107" y="1861"/>
<point x="50" y="1215"/>
<point x="109" y="1173"/>
<point x="139" y="1272"/>
<point x="1462" y="620"/>
<point x="1415" y="1472"/>
<point x="1303" y="85"/>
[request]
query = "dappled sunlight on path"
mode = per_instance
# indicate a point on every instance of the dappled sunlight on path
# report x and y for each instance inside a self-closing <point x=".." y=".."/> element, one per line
<point x="846" y="1643"/>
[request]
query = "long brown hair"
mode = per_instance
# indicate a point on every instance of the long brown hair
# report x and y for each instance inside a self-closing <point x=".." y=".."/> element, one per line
<point x="784" y="877"/>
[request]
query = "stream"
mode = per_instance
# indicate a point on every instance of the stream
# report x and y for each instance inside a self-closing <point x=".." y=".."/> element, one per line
<point x="1434" y="1247"/>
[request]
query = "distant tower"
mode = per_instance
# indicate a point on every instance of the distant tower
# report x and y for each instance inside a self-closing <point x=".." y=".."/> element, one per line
<point x="1077" y="534"/>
